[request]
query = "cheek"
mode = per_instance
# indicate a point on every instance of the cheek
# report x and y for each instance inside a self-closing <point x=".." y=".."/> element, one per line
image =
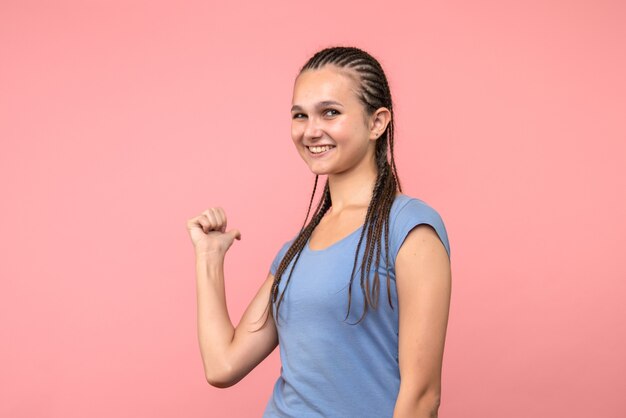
<point x="341" y="130"/>
<point x="296" y="132"/>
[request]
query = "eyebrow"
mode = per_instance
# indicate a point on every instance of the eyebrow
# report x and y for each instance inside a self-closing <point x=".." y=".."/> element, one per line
<point x="320" y="104"/>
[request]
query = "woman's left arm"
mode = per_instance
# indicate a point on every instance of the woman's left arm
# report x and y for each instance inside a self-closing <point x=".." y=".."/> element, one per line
<point x="423" y="280"/>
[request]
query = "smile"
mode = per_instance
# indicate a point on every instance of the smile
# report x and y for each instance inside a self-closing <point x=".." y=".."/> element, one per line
<point x="320" y="150"/>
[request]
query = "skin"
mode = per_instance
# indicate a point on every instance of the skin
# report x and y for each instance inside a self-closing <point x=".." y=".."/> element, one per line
<point x="350" y="165"/>
<point x="423" y="277"/>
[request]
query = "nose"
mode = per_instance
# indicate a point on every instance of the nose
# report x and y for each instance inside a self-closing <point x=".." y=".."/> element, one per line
<point x="312" y="129"/>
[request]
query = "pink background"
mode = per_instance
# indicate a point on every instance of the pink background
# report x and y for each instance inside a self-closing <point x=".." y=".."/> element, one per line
<point x="120" y="120"/>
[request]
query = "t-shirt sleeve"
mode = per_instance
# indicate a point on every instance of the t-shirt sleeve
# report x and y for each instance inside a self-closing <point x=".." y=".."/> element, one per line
<point x="279" y="256"/>
<point x="413" y="213"/>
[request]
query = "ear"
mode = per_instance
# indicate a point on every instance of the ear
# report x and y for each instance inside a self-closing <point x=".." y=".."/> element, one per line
<point x="378" y="122"/>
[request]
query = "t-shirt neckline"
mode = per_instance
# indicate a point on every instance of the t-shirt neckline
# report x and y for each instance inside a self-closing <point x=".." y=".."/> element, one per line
<point x="342" y="240"/>
<point x="335" y="244"/>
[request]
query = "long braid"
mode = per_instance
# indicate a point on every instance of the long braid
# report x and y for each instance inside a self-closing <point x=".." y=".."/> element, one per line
<point x="373" y="92"/>
<point x="310" y="202"/>
<point x="296" y="247"/>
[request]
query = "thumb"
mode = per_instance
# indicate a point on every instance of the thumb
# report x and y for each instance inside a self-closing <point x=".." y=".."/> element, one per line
<point x="234" y="233"/>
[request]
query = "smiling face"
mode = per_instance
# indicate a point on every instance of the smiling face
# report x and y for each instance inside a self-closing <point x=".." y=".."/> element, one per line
<point x="329" y="126"/>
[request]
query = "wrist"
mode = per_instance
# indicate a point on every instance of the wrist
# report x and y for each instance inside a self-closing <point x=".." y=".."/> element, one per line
<point x="210" y="257"/>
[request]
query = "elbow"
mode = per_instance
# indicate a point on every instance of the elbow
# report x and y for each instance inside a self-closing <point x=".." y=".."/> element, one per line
<point x="219" y="377"/>
<point x="429" y="401"/>
<point x="218" y="383"/>
<point x="424" y="402"/>
<point x="432" y="404"/>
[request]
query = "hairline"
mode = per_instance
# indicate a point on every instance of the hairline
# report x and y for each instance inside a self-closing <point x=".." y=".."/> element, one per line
<point x="351" y="74"/>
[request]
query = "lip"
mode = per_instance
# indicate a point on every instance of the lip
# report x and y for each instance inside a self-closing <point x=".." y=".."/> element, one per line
<point x="321" y="154"/>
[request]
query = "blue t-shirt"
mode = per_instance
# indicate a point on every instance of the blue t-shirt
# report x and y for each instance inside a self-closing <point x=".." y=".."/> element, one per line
<point x="329" y="367"/>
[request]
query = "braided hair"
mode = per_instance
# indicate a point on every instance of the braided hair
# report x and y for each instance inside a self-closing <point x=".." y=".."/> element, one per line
<point x="373" y="92"/>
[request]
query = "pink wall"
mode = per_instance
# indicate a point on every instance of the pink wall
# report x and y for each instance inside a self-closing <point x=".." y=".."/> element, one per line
<point x="120" y="121"/>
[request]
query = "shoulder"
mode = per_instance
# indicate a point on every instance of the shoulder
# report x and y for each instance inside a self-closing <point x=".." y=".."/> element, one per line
<point x="407" y="206"/>
<point x="407" y="213"/>
<point x="280" y="254"/>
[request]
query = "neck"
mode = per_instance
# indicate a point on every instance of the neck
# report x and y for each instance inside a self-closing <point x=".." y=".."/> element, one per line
<point x="353" y="189"/>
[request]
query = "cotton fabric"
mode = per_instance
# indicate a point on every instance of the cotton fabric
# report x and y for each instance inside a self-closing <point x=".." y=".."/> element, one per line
<point x="330" y="368"/>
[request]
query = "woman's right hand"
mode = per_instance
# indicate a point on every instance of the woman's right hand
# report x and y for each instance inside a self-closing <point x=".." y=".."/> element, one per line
<point x="208" y="233"/>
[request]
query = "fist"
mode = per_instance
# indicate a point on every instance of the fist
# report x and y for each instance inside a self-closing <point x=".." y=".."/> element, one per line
<point x="208" y="233"/>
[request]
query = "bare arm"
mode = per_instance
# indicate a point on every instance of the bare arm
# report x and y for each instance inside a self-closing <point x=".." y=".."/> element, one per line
<point x="423" y="280"/>
<point x="229" y="353"/>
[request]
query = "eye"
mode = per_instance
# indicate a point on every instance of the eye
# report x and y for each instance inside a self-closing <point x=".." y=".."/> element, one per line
<point x="296" y="115"/>
<point x="332" y="110"/>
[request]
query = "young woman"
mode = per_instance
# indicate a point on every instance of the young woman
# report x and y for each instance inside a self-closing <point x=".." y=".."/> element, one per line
<point x="370" y="347"/>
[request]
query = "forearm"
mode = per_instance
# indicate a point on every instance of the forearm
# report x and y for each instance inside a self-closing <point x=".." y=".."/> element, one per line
<point x="414" y="405"/>
<point x="215" y="329"/>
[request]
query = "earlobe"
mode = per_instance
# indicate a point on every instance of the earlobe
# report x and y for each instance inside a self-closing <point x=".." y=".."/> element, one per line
<point x="381" y="119"/>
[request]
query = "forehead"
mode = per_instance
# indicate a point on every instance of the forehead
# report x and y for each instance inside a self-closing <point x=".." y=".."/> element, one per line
<point x="326" y="83"/>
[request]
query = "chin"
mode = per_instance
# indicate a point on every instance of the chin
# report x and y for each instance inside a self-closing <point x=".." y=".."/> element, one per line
<point x="319" y="172"/>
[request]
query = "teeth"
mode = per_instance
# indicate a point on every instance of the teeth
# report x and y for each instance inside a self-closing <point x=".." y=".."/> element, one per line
<point x="317" y="150"/>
